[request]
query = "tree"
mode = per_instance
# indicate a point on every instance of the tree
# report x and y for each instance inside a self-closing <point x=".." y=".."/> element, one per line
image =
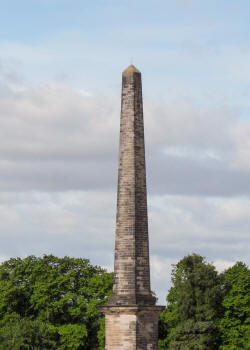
<point x="193" y="307"/>
<point x="168" y="320"/>
<point x="235" y="323"/>
<point x="27" y="334"/>
<point x="61" y="294"/>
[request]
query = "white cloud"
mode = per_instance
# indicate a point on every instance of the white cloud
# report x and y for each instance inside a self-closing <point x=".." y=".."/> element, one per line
<point x="54" y="121"/>
<point x="66" y="223"/>
<point x="54" y="137"/>
<point x="161" y="268"/>
<point x="184" y="225"/>
<point x="222" y="265"/>
<point x="3" y="258"/>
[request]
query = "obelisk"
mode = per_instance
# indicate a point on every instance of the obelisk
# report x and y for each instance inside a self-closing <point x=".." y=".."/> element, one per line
<point x="131" y="317"/>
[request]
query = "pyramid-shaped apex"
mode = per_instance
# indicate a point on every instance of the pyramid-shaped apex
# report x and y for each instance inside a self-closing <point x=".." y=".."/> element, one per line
<point x="131" y="69"/>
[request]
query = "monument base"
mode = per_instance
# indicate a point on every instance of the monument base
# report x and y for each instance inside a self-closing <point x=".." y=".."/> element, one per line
<point x="131" y="327"/>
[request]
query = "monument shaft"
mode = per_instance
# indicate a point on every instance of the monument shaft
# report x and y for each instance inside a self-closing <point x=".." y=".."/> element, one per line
<point x="132" y="276"/>
<point x="131" y="316"/>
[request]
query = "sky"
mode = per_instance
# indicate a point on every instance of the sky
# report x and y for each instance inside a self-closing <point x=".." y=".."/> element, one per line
<point x="60" y="85"/>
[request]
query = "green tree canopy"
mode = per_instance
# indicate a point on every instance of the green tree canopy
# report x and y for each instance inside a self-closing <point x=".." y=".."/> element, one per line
<point x="193" y="307"/>
<point x="23" y="333"/>
<point x="59" y="297"/>
<point x="235" y="323"/>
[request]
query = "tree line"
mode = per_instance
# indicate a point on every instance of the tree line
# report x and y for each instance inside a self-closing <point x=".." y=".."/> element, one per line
<point x="51" y="303"/>
<point x="206" y="310"/>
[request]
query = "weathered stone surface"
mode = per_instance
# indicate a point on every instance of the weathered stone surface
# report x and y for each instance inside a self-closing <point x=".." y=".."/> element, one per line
<point x="131" y="317"/>
<point x="131" y="328"/>
<point x="132" y="276"/>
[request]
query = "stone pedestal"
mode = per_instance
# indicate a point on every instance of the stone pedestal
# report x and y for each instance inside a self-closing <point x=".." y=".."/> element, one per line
<point x="131" y="327"/>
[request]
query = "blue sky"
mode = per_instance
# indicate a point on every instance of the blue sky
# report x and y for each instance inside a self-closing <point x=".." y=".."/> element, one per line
<point x="184" y="48"/>
<point x="32" y="20"/>
<point x="60" y="79"/>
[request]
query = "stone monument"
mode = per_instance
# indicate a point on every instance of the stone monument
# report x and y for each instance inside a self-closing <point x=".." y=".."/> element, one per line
<point x="131" y="317"/>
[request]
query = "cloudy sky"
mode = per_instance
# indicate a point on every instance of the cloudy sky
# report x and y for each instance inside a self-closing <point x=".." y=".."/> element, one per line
<point x="60" y="81"/>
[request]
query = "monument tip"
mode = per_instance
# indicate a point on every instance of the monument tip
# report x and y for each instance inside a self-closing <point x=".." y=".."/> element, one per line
<point x="131" y="69"/>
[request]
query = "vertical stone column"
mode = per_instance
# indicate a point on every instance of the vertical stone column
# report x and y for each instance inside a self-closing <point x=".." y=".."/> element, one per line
<point x="132" y="276"/>
<point x="131" y="316"/>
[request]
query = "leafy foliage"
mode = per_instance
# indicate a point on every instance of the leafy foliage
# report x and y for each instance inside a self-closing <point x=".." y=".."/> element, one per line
<point x="168" y="320"/>
<point x="26" y="334"/>
<point x="235" y="323"/>
<point x="193" y="307"/>
<point x="53" y="302"/>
